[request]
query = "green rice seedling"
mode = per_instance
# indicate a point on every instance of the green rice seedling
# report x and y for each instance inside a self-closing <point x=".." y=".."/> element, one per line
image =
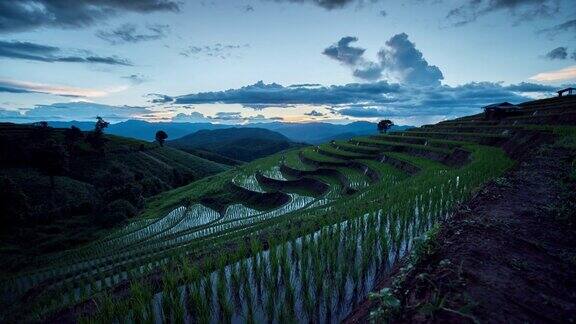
<point x="140" y="297"/>
<point x="107" y="308"/>
<point x="270" y="307"/>
<point x="208" y="294"/>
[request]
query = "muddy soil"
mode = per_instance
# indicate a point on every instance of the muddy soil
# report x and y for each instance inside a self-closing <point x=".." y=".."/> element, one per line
<point x="506" y="256"/>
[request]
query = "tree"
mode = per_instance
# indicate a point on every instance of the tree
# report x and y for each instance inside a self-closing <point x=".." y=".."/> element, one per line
<point x="71" y="136"/>
<point x="384" y="125"/>
<point x="52" y="160"/>
<point x="14" y="208"/>
<point x="40" y="131"/>
<point x="96" y="138"/>
<point x="161" y="137"/>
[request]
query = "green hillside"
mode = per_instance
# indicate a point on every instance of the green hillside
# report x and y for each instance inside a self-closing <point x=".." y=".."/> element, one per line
<point x="314" y="225"/>
<point x="69" y="192"/>
<point x="236" y="144"/>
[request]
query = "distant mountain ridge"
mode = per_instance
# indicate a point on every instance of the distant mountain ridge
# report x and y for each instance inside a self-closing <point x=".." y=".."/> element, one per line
<point x="243" y="144"/>
<point x="312" y="133"/>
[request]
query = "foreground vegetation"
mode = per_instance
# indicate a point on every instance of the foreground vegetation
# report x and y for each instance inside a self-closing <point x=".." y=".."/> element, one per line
<point x="63" y="187"/>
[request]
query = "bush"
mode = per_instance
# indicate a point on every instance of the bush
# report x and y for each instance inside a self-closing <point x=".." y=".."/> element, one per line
<point x="14" y="206"/>
<point x="115" y="213"/>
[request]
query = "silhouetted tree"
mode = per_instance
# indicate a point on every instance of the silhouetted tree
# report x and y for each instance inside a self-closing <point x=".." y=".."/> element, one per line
<point x="52" y="160"/>
<point x="71" y="136"/>
<point x="14" y="206"/>
<point x="96" y="138"/>
<point x="40" y="131"/>
<point x="384" y="125"/>
<point x="161" y="137"/>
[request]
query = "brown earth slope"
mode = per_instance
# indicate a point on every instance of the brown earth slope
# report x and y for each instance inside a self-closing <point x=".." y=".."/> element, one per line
<point x="506" y="256"/>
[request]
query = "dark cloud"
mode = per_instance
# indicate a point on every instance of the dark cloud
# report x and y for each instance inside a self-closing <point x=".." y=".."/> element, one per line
<point x="353" y="57"/>
<point x="247" y="8"/>
<point x="135" y="78"/>
<point x="314" y="113"/>
<point x="274" y="94"/>
<point x="331" y="4"/>
<point x="559" y="53"/>
<point x="400" y="60"/>
<point x="218" y="50"/>
<point x="383" y="13"/>
<point x="22" y="15"/>
<point x="129" y="33"/>
<point x="9" y="89"/>
<point x="368" y="71"/>
<point x="407" y="64"/>
<point x="361" y="112"/>
<point x="344" y="53"/>
<point x="378" y="99"/>
<point x="300" y="85"/>
<point x="159" y="98"/>
<point x="565" y="27"/>
<point x="44" y="53"/>
<point x="522" y="10"/>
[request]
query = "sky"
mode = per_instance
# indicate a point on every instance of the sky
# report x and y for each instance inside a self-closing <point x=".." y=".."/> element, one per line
<point x="238" y="62"/>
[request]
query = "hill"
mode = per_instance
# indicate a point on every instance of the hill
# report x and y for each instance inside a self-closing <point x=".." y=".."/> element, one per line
<point x="318" y="132"/>
<point x="313" y="133"/>
<point x="436" y="207"/>
<point x="241" y="144"/>
<point x="68" y="190"/>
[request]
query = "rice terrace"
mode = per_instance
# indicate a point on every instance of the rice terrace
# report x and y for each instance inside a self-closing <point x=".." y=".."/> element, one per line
<point x="409" y="194"/>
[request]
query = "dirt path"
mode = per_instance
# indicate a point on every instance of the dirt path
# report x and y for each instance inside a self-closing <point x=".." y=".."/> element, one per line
<point x="506" y="256"/>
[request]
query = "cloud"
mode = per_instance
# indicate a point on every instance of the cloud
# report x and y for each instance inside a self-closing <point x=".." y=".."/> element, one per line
<point x="128" y="33"/>
<point x="402" y="59"/>
<point x="314" y="113"/>
<point x="159" y="98"/>
<point x="43" y="53"/>
<point x="567" y="26"/>
<point x="301" y="85"/>
<point x="23" y="15"/>
<point x="82" y="111"/>
<point x="330" y="4"/>
<point x="564" y="74"/>
<point x="224" y="117"/>
<point x="377" y="99"/>
<point x="522" y="10"/>
<point x="274" y="94"/>
<point x="136" y="78"/>
<point x="192" y="117"/>
<point x="368" y="71"/>
<point x="247" y="8"/>
<point x="383" y="13"/>
<point x="344" y="53"/>
<point x="559" y="53"/>
<point x="353" y="57"/>
<point x="399" y="60"/>
<point x="13" y="86"/>
<point x="218" y="50"/>
<point x="227" y="116"/>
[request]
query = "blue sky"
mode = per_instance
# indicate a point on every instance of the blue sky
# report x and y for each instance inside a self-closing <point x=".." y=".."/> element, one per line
<point x="413" y="61"/>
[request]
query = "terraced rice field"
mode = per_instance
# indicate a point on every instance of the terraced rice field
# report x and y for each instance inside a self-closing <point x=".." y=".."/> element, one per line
<point x="298" y="236"/>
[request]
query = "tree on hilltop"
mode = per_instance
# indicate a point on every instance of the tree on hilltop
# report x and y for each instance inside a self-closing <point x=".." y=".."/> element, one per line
<point x="384" y="125"/>
<point x="161" y="137"/>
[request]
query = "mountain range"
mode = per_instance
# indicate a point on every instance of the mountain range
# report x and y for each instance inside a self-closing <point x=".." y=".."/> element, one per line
<point x="311" y="133"/>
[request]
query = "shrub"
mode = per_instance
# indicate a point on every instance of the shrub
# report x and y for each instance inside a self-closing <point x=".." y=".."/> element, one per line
<point x="116" y="212"/>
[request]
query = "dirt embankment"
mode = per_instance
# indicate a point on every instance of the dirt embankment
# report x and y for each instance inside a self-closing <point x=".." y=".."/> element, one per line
<point x="506" y="256"/>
